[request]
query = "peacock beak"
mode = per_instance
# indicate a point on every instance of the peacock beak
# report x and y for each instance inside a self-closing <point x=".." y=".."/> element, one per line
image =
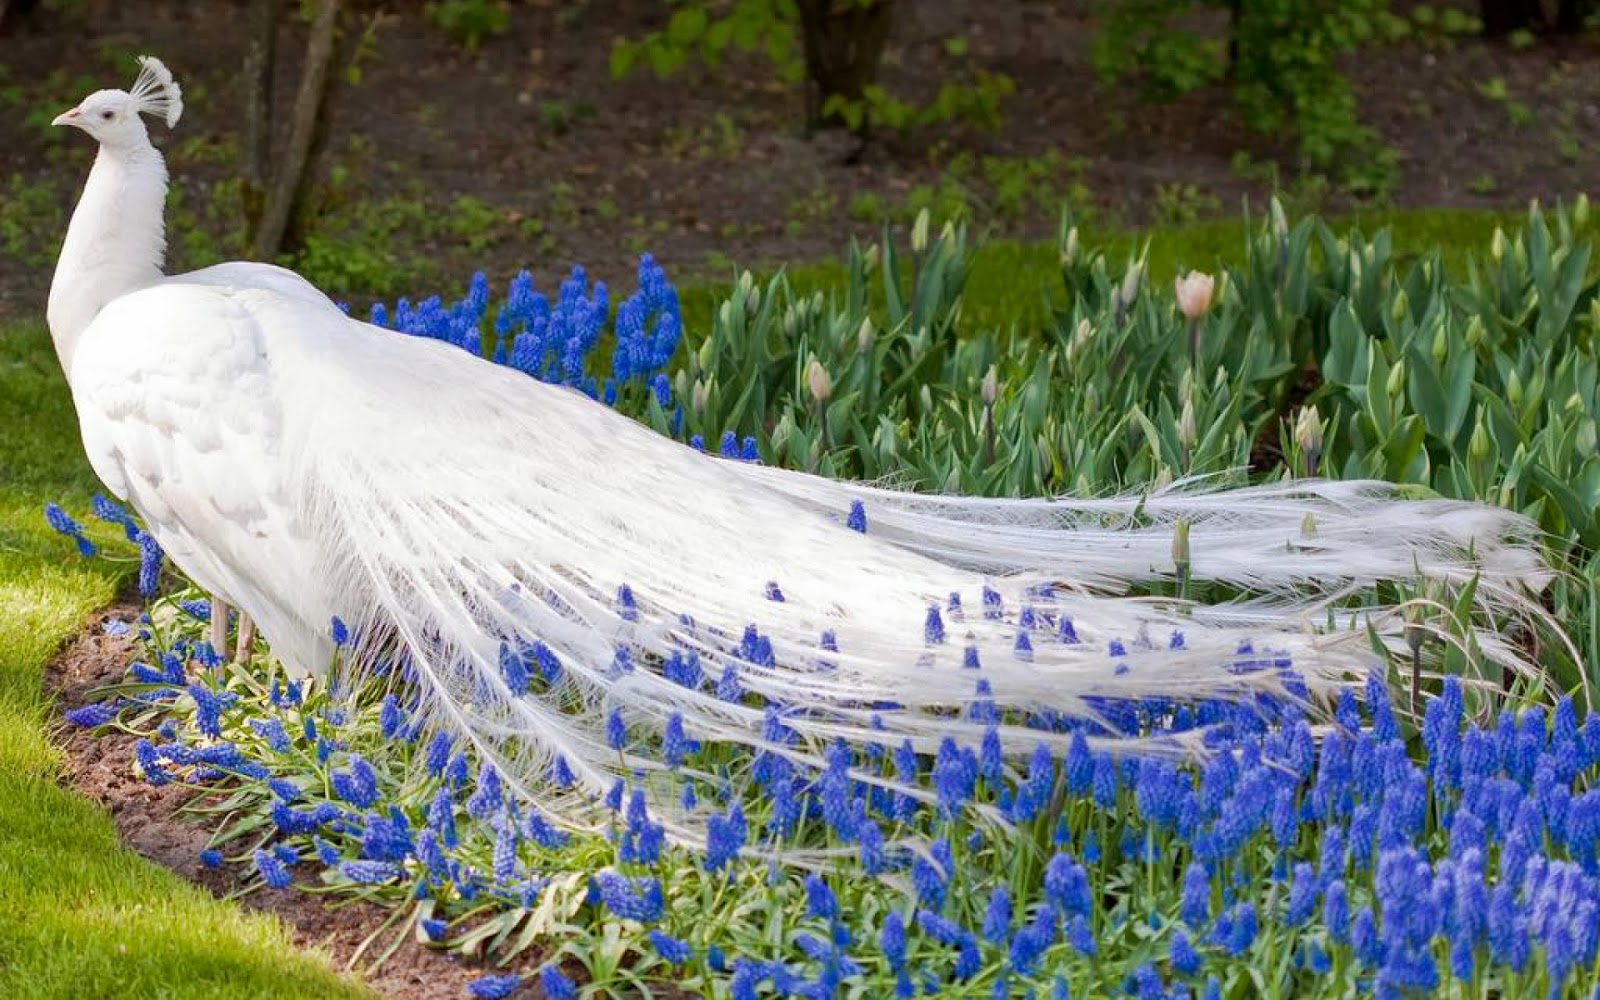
<point x="66" y="118"/>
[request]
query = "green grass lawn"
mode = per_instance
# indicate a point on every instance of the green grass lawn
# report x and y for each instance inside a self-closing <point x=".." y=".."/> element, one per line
<point x="1010" y="280"/>
<point x="86" y="918"/>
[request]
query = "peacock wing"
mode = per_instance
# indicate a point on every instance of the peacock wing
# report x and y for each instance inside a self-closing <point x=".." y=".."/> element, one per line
<point x="180" y="395"/>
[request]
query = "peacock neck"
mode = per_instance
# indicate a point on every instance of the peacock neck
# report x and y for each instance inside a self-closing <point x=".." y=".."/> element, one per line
<point x="116" y="242"/>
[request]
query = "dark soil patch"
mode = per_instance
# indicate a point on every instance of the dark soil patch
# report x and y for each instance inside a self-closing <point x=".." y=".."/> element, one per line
<point x="566" y="164"/>
<point x="99" y="766"/>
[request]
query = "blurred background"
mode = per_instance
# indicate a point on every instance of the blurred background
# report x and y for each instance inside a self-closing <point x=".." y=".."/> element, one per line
<point x="381" y="148"/>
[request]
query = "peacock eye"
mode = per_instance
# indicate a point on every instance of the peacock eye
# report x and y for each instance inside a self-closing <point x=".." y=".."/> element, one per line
<point x="106" y="115"/>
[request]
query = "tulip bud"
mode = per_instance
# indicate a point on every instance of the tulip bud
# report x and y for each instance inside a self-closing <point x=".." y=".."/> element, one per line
<point x="1580" y="211"/>
<point x="1308" y="526"/>
<point x="1091" y="399"/>
<point x="1514" y="389"/>
<point x="725" y="313"/>
<point x="1163" y="480"/>
<point x="752" y="302"/>
<point x="818" y="381"/>
<point x="1481" y="444"/>
<point x="926" y="396"/>
<point x="865" y="335"/>
<point x="697" y="401"/>
<point x="1441" y="345"/>
<point x="919" y="232"/>
<point x="1080" y="338"/>
<point x="747" y="281"/>
<point x="1280" y="222"/>
<point x="1475" y="334"/>
<point x="707" y="351"/>
<point x="1401" y="307"/>
<point x="1130" y="283"/>
<point x="1497" y="245"/>
<point x="1574" y="403"/>
<point x="1194" y="294"/>
<point x="1186" y="429"/>
<point x="1069" y="255"/>
<point x="1397" y="379"/>
<point x="1308" y="436"/>
<point x="1180" y="545"/>
<point x="991" y="386"/>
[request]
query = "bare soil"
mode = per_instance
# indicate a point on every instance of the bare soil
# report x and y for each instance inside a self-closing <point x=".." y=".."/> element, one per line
<point x="709" y="168"/>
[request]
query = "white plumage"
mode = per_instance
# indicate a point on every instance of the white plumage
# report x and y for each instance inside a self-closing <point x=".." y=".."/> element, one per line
<point x="301" y="464"/>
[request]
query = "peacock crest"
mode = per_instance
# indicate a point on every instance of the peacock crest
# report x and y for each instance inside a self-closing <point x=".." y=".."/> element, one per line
<point x="156" y="93"/>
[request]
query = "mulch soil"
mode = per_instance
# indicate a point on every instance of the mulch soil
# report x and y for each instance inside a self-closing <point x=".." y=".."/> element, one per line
<point x="709" y="167"/>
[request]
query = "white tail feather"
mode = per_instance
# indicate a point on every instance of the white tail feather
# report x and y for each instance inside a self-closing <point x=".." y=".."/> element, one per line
<point x="523" y="529"/>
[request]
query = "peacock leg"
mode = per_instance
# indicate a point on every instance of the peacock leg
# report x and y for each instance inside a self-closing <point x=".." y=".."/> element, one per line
<point x="219" y="627"/>
<point x="247" y="638"/>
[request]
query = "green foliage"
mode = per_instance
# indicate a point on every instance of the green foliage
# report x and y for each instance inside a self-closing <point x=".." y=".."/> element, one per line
<point x="470" y="23"/>
<point x="698" y="29"/>
<point x="1136" y="39"/>
<point x="27" y="209"/>
<point x="1283" y="67"/>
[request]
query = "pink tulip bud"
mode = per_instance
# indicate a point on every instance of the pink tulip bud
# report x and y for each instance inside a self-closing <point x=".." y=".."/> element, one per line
<point x="1194" y="294"/>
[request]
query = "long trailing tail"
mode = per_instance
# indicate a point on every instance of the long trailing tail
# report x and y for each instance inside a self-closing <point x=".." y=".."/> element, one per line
<point x="577" y="596"/>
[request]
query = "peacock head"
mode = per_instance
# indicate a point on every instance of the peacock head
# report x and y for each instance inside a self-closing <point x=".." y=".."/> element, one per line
<point x="112" y="116"/>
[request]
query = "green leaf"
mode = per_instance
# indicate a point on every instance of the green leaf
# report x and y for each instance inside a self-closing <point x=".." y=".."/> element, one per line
<point x="687" y="25"/>
<point x="624" y="56"/>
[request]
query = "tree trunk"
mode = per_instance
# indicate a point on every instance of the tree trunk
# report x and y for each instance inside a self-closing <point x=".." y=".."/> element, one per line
<point x="1502" y="17"/>
<point x="309" y="104"/>
<point x="302" y="208"/>
<point x="844" y="42"/>
<point x="259" y="59"/>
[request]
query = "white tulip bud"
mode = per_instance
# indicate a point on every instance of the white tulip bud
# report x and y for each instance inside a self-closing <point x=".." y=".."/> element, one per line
<point x="1194" y="292"/>
<point x="991" y="386"/>
<point x="1130" y="283"/>
<point x="865" y="335"/>
<point x="700" y="396"/>
<point x="1186" y="428"/>
<point x="919" y="232"/>
<point x="818" y="381"/>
